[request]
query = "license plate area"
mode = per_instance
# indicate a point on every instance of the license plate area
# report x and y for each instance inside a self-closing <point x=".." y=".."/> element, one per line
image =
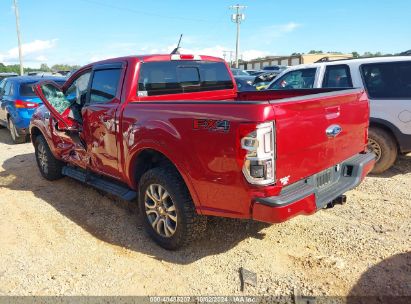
<point x="328" y="177"/>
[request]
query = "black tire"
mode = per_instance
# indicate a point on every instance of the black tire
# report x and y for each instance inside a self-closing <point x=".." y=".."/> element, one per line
<point x="188" y="224"/>
<point x="13" y="133"/>
<point x="49" y="166"/>
<point x="384" y="146"/>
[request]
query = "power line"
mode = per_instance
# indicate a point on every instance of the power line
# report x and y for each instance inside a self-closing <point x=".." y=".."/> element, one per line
<point x="139" y="12"/>
<point x="237" y="18"/>
<point x="16" y="11"/>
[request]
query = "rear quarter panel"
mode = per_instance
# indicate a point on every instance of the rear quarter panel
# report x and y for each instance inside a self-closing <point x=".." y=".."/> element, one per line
<point x="205" y="158"/>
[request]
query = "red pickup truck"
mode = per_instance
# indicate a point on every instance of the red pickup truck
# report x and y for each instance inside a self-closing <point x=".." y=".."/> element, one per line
<point x="171" y="133"/>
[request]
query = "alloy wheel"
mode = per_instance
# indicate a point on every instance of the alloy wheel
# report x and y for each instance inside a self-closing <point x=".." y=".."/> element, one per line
<point x="42" y="158"/>
<point x="375" y="147"/>
<point x="160" y="210"/>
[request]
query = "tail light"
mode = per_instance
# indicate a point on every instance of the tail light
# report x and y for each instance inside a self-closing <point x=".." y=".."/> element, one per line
<point x="21" y="104"/>
<point x="257" y="153"/>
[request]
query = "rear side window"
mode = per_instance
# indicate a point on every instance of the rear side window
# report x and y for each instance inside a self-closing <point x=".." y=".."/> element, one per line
<point x="104" y="85"/>
<point x="176" y="77"/>
<point x="298" y="79"/>
<point x="26" y="90"/>
<point x="387" y="80"/>
<point x="8" y="88"/>
<point x="337" y="76"/>
<point x="2" y="84"/>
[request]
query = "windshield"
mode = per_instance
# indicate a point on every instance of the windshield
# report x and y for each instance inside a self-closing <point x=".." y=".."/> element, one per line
<point x="238" y="72"/>
<point x="298" y="79"/>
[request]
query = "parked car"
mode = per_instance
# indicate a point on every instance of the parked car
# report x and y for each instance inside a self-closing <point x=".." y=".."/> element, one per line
<point x="171" y="133"/>
<point x="18" y="102"/>
<point x="239" y="72"/>
<point x="387" y="81"/>
<point x="6" y="75"/>
<point x="263" y="80"/>
<point x="277" y="68"/>
<point x="244" y="84"/>
<point x="255" y="72"/>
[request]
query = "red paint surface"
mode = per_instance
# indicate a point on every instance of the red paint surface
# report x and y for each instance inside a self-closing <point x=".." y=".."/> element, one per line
<point x="210" y="161"/>
<point x="268" y="214"/>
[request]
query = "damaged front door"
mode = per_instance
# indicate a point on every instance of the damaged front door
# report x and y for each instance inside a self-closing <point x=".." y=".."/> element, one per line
<point x="64" y="127"/>
<point x="57" y="103"/>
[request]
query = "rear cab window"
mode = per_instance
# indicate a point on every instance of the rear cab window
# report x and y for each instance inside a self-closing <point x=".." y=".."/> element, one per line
<point x="178" y="77"/>
<point x="337" y="76"/>
<point x="388" y="80"/>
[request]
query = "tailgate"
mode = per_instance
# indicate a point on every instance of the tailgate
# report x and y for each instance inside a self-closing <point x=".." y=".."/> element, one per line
<point x="303" y="146"/>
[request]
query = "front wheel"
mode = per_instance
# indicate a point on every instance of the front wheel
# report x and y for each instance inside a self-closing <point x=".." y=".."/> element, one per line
<point x="384" y="147"/>
<point x="50" y="167"/>
<point x="167" y="209"/>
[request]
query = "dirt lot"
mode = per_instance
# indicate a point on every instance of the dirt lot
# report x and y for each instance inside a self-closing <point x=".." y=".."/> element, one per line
<point x="62" y="238"/>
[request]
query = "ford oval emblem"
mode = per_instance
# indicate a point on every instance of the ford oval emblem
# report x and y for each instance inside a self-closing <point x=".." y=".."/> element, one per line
<point x="333" y="130"/>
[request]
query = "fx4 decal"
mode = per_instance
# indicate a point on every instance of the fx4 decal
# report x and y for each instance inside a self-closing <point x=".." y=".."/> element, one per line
<point x="211" y="124"/>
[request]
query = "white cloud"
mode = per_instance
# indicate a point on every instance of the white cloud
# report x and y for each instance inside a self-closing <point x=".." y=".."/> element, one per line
<point x="41" y="58"/>
<point x="270" y="33"/>
<point x="253" y="54"/>
<point x="289" y="27"/>
<point x="31" y="51"/>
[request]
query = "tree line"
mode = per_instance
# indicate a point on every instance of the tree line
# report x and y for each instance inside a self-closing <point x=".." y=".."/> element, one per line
<point x="15" y="68"/>
<point x="354" y="54"/>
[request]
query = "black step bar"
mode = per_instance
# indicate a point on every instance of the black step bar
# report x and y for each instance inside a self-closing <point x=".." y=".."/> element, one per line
<point x="100" y="183"/>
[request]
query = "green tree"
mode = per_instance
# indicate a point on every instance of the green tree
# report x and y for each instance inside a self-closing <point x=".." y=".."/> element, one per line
<point x="355" y="54"/>
<point x="44" y="67"/>
<point x="315" y="52"/>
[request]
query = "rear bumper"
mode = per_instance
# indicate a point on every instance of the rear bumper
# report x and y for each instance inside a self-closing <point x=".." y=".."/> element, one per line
<point x="307" y="196"/>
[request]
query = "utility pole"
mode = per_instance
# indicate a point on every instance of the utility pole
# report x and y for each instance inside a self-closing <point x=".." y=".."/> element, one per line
<point x="16" y="10"/>
<point x="230" y="57"/>
<point x="237" y="18"/>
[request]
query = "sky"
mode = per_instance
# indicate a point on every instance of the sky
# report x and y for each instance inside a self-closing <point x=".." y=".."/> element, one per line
<point x="83" y="31"/>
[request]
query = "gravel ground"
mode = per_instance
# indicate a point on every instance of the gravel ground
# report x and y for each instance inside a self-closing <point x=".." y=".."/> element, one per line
<point x="63" y="238"/>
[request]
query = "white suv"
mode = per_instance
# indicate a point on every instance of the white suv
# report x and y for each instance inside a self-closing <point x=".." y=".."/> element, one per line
<point x="387" y="81"/>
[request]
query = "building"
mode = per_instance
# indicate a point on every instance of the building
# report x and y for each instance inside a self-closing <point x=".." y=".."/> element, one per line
<point x="257" y="64"/>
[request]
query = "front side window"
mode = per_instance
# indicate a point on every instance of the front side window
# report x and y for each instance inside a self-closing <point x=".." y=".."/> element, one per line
<point x="387" y="80"/>
<point x="77" y="92"/>
<point x="104" y="85"/>
<point x="337" y="76"/>
<point x="298" y="79"/>
<point x="176" y="77"/>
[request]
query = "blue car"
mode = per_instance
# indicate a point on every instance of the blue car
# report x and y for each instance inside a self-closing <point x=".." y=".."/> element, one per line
<point x="18" y="103"/>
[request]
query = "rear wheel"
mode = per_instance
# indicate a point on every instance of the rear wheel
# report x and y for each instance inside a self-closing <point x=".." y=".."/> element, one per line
<point x="384" y="147"/>
<point x="14" y="134"/>
<point x="50" y="167"/>
<point x="167" y="209"/>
